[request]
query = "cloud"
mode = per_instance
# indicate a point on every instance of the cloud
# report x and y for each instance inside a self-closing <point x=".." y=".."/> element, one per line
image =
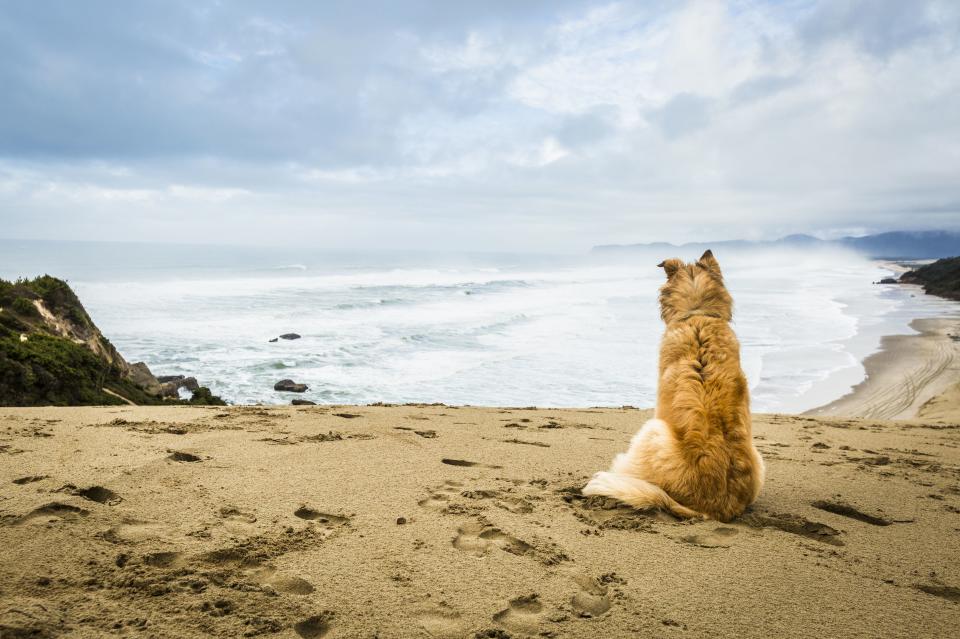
<point x="497" y="125"/>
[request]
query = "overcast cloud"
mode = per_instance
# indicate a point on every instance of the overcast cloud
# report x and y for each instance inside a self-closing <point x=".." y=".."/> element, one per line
<point x="494" y="125"/>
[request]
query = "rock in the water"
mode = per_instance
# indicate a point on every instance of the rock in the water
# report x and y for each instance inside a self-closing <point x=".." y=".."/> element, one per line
<point x="171" y="384"/>
<point x="170" y="389"/>
<point x="303" y="402"/>
<point x="290" y="386"/>
<point x="274" y="340"/>
<point x="289" y="336"/>
<point x="888" y="280"/>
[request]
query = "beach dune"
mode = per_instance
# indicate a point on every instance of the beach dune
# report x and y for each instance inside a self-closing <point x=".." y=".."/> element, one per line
<point x="442" y="521"/>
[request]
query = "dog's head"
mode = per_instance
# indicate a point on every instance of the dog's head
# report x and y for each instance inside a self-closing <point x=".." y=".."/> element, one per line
<point x="694" y="289"/>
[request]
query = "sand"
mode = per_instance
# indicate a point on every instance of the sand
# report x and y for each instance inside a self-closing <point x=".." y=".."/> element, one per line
<point x="436" y="521"/>
<point x="906" y="375"/>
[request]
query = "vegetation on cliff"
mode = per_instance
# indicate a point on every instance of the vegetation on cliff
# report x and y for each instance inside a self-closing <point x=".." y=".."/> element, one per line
<point x="52" y="354"/>
<point x="940" y="278"/>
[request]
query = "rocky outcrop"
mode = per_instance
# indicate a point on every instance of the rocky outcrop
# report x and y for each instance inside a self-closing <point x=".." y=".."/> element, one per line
<point x="170" y="385"/>
<point x="302" y="402"/>
<point x="51" y="353"/>
<point x="290" y="336"/>
<point x="139" y="373"/>
<point x="290" y="386"/>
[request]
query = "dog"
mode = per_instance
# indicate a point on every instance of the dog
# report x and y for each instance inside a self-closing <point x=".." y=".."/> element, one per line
<point x="696" y="458"/>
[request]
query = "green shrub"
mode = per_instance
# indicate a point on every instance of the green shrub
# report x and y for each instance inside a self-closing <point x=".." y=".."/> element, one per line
<point x="24" y="306"/>
<point x="55" y="293"/>
<point x="47" y="370"/>
<point x="7" y="294"/>
<point x="11" y="323"/>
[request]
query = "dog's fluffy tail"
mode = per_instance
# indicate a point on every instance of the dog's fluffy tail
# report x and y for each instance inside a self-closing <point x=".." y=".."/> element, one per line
<point x="636" y="492"/>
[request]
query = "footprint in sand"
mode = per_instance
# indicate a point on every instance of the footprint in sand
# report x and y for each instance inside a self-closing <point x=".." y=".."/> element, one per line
<point x="434" y="502"/>
<point x="133" y="531"/>
<point x="280" y="582"/>
<point x="163" y="560"/>
<point x="480" y="539"/>
<point x="718" y="538"/>
<point x="54" y="511"/>
<point x="305" y="512"/>
<point x="522" y="615"/>
<point x="517" y="505"/>
<point x="591" y="600"/>
<point x="257" y="572"/>
<point x="442" y="621"/>
<point x="316" y="626"/>
<point x="180" y="456"/>
<point x="98" y="494"/>
<point x="439" y="497"/>
<point x="238" y="521"/>
<point x="235" y="514"/>
<point x="510" y="503"/>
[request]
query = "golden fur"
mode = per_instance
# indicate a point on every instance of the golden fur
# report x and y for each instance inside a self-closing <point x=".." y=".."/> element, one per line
<point x="696" y="457"/>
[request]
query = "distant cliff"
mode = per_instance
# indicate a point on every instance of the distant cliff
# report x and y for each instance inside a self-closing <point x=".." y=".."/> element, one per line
<point x="940" y="278"/>
<point x="52" y="354"/>
<point x="894" y="245"/>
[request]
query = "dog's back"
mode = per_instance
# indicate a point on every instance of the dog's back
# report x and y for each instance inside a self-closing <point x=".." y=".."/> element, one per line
<point x="699" y="449"/>
<point x="704" y="399"/>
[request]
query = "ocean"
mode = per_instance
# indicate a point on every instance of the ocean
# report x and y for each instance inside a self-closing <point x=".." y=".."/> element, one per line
<point x="479" y="329"/>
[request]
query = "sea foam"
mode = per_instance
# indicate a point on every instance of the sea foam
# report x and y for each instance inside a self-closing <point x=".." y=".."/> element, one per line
<point x="489" y="330"/>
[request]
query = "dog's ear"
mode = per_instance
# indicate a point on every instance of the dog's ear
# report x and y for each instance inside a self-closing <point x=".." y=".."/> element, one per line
<point x="709" y="262"/>
<point x="671" y="266"/>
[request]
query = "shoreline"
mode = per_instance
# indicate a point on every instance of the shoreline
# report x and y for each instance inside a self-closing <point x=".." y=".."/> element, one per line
<point x="906" y="375"/>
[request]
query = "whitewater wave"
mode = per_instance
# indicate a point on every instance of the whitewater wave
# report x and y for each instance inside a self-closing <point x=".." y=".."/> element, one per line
<point x="572" y="334"/>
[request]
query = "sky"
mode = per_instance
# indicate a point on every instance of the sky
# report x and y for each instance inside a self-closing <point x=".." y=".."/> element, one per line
<point x="497" y="125"/>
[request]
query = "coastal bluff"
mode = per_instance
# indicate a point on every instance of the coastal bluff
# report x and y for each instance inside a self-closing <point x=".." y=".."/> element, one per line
<point x="941" y="278"/>
<point x="52" y="354"/>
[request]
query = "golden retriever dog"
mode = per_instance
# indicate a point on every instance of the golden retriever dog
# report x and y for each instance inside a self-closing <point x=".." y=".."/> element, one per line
<point x="696" y="458"/>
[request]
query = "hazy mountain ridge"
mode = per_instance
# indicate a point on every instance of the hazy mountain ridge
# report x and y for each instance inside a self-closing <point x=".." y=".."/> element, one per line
<point x="892" y="245"/>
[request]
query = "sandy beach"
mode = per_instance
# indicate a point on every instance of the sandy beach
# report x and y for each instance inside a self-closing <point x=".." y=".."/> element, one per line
<point x="438" y="521"/>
